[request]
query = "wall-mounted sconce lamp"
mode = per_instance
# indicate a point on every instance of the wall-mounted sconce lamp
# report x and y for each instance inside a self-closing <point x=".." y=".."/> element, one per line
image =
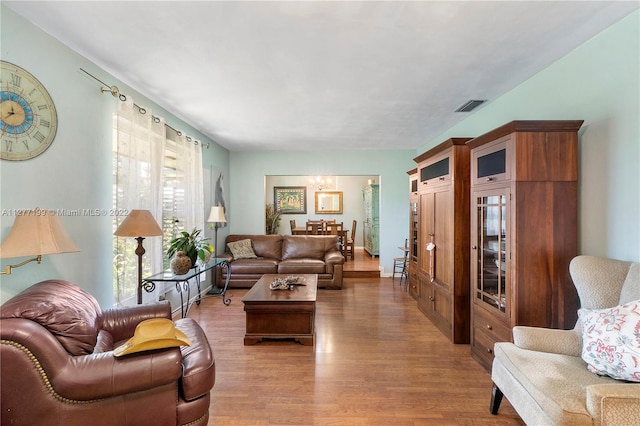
<point x="36" y="233"/>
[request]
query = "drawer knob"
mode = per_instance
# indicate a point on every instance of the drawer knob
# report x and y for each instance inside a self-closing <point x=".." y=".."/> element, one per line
<point x="431" y="298"/>
<point x="441" y="178"/>
<point x="489" y="327"/>
<point x="489" y="351"/>
<point x="489" y="179"/>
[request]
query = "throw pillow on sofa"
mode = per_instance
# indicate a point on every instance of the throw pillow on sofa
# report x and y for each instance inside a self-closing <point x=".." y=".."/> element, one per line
<point x="242" y="249"/>
<point x="611" y="341"/>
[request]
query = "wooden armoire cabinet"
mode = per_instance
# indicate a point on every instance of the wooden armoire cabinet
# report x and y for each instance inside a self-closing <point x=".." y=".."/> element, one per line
<point x="442" y="273"/>
<point x="523" y="230"/>
<point x="413" y="233"/>
<point x="371" y="225"/>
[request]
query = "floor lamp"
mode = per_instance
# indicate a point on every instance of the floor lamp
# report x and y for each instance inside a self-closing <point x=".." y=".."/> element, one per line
<point x="216" y="216"/>
<point x="139" y="224"/>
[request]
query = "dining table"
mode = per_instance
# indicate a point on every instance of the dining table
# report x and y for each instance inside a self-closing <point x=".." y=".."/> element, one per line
<point x="301" y="230"/>
<point x="344" y="234"/>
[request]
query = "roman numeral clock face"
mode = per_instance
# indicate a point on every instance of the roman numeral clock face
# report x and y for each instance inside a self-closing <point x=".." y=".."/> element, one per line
<point x="28" y="120"/>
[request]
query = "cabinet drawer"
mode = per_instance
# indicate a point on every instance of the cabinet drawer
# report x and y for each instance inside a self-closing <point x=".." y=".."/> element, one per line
<point x="486" y="331"/>
<point x="482" y="348"/>
<point x="490" y="325"/>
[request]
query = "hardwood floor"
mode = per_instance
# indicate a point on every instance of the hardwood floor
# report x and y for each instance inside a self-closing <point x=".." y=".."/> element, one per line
<point x="377" y="361"/>
<point x="362" y="265"/>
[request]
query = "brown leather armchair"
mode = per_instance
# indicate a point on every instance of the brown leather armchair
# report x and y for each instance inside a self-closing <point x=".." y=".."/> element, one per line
<point x="57" y="364"/>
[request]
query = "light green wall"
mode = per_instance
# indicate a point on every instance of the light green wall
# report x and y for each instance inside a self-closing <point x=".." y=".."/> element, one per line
<point x="599" y="83"/>
<point x="76" y="171"/>
<point x="248" y="171"/>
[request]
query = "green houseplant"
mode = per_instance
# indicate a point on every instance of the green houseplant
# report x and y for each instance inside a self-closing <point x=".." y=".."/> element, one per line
<point x="194" y="246"/>
<point x="272" y="219"/>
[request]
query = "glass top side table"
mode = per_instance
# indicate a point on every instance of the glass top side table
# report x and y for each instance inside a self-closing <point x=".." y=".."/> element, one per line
<point x="182" y="282"/>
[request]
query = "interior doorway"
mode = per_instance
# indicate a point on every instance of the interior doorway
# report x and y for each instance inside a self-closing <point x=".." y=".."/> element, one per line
<point x="314" y="188"/>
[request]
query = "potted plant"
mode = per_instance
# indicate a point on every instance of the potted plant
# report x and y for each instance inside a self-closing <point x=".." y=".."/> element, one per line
<point x="272" y="219"/>
<point x="192" y="244"/>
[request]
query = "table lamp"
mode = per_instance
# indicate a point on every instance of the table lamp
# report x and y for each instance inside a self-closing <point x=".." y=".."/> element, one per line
<point x="216" y="216"/>
<point x="35" y="233"/>
<point x="139" y="224"/>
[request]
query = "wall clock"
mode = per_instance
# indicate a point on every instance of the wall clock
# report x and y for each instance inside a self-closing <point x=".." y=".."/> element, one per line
<point x="28" y="119"/>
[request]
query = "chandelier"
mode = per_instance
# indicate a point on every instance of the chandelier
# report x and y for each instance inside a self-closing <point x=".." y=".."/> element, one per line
<point x="321" y="182"/>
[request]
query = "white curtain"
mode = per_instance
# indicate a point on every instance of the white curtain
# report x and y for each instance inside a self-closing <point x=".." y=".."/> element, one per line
<point x="155" y="173"/>
<point x="189" y="173"/>
<point x="183" y="202"/>
<point x="139" y="146"/>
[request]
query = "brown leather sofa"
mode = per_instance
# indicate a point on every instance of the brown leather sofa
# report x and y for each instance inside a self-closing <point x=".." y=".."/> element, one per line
<point x="58" y="368"/>
<point x="285" y="254"/>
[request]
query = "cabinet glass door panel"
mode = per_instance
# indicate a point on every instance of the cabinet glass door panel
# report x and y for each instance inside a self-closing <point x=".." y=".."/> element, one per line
<point x="437" y="169"/>
<point x="413" y="245"/>
<point x="491" y="259"/>
<point x="427" y="208"/>
<point x="492" y="164"/>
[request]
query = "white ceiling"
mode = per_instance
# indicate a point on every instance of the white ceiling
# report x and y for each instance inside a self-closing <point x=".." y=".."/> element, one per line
<point x="314" y="74"/>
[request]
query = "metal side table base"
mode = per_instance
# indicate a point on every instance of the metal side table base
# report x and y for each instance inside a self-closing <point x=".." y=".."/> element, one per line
<point x="182" y="283"/>
<point x="217" y="291"/>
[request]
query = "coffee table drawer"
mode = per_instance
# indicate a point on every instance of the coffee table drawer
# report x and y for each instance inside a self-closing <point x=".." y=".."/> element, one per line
<point x="280" y="314"/>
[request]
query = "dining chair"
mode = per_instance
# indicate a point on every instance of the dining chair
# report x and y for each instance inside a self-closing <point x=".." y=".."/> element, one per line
<point x="337" y="229"/>
<point x="400" y="264"/>
<point x="350" y="241"/>
<point x="325" y="226"/>
<point x="292" y="223"/>
<point x="314" y="227"/>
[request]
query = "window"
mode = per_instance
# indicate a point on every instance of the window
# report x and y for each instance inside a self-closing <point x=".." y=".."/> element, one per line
<point x="156" y="169"/>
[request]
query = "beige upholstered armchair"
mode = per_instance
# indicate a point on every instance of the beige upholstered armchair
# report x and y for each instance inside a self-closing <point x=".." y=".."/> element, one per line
<point x="542" y="373"/>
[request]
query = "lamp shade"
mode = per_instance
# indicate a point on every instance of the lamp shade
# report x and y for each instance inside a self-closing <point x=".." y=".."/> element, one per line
<point x="217" y="215"/>
<point x="36" y="234"/>
<point x="139" y="223"/>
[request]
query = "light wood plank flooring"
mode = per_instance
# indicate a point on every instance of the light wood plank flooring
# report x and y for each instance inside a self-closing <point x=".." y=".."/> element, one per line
<point x="377" y="361"/>
<point x="362" y="265"/>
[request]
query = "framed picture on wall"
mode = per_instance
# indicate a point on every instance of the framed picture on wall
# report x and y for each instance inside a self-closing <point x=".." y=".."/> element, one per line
<point x="329" y="202"/>
<point x="290" y="199"/>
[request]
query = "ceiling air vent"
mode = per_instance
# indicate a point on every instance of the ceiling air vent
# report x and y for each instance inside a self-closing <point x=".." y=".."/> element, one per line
<point x="470" y="105"/>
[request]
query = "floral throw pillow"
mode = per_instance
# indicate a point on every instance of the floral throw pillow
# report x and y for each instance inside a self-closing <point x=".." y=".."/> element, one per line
<point x="242" y="249"/>
<point x="611" y="341"/>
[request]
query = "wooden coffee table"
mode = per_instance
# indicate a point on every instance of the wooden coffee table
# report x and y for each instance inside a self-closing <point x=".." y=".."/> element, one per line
<point x="278" y="314"/>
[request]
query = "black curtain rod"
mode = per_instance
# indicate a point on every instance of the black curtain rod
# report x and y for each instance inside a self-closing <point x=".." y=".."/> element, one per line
<point x="115" y="92"/>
